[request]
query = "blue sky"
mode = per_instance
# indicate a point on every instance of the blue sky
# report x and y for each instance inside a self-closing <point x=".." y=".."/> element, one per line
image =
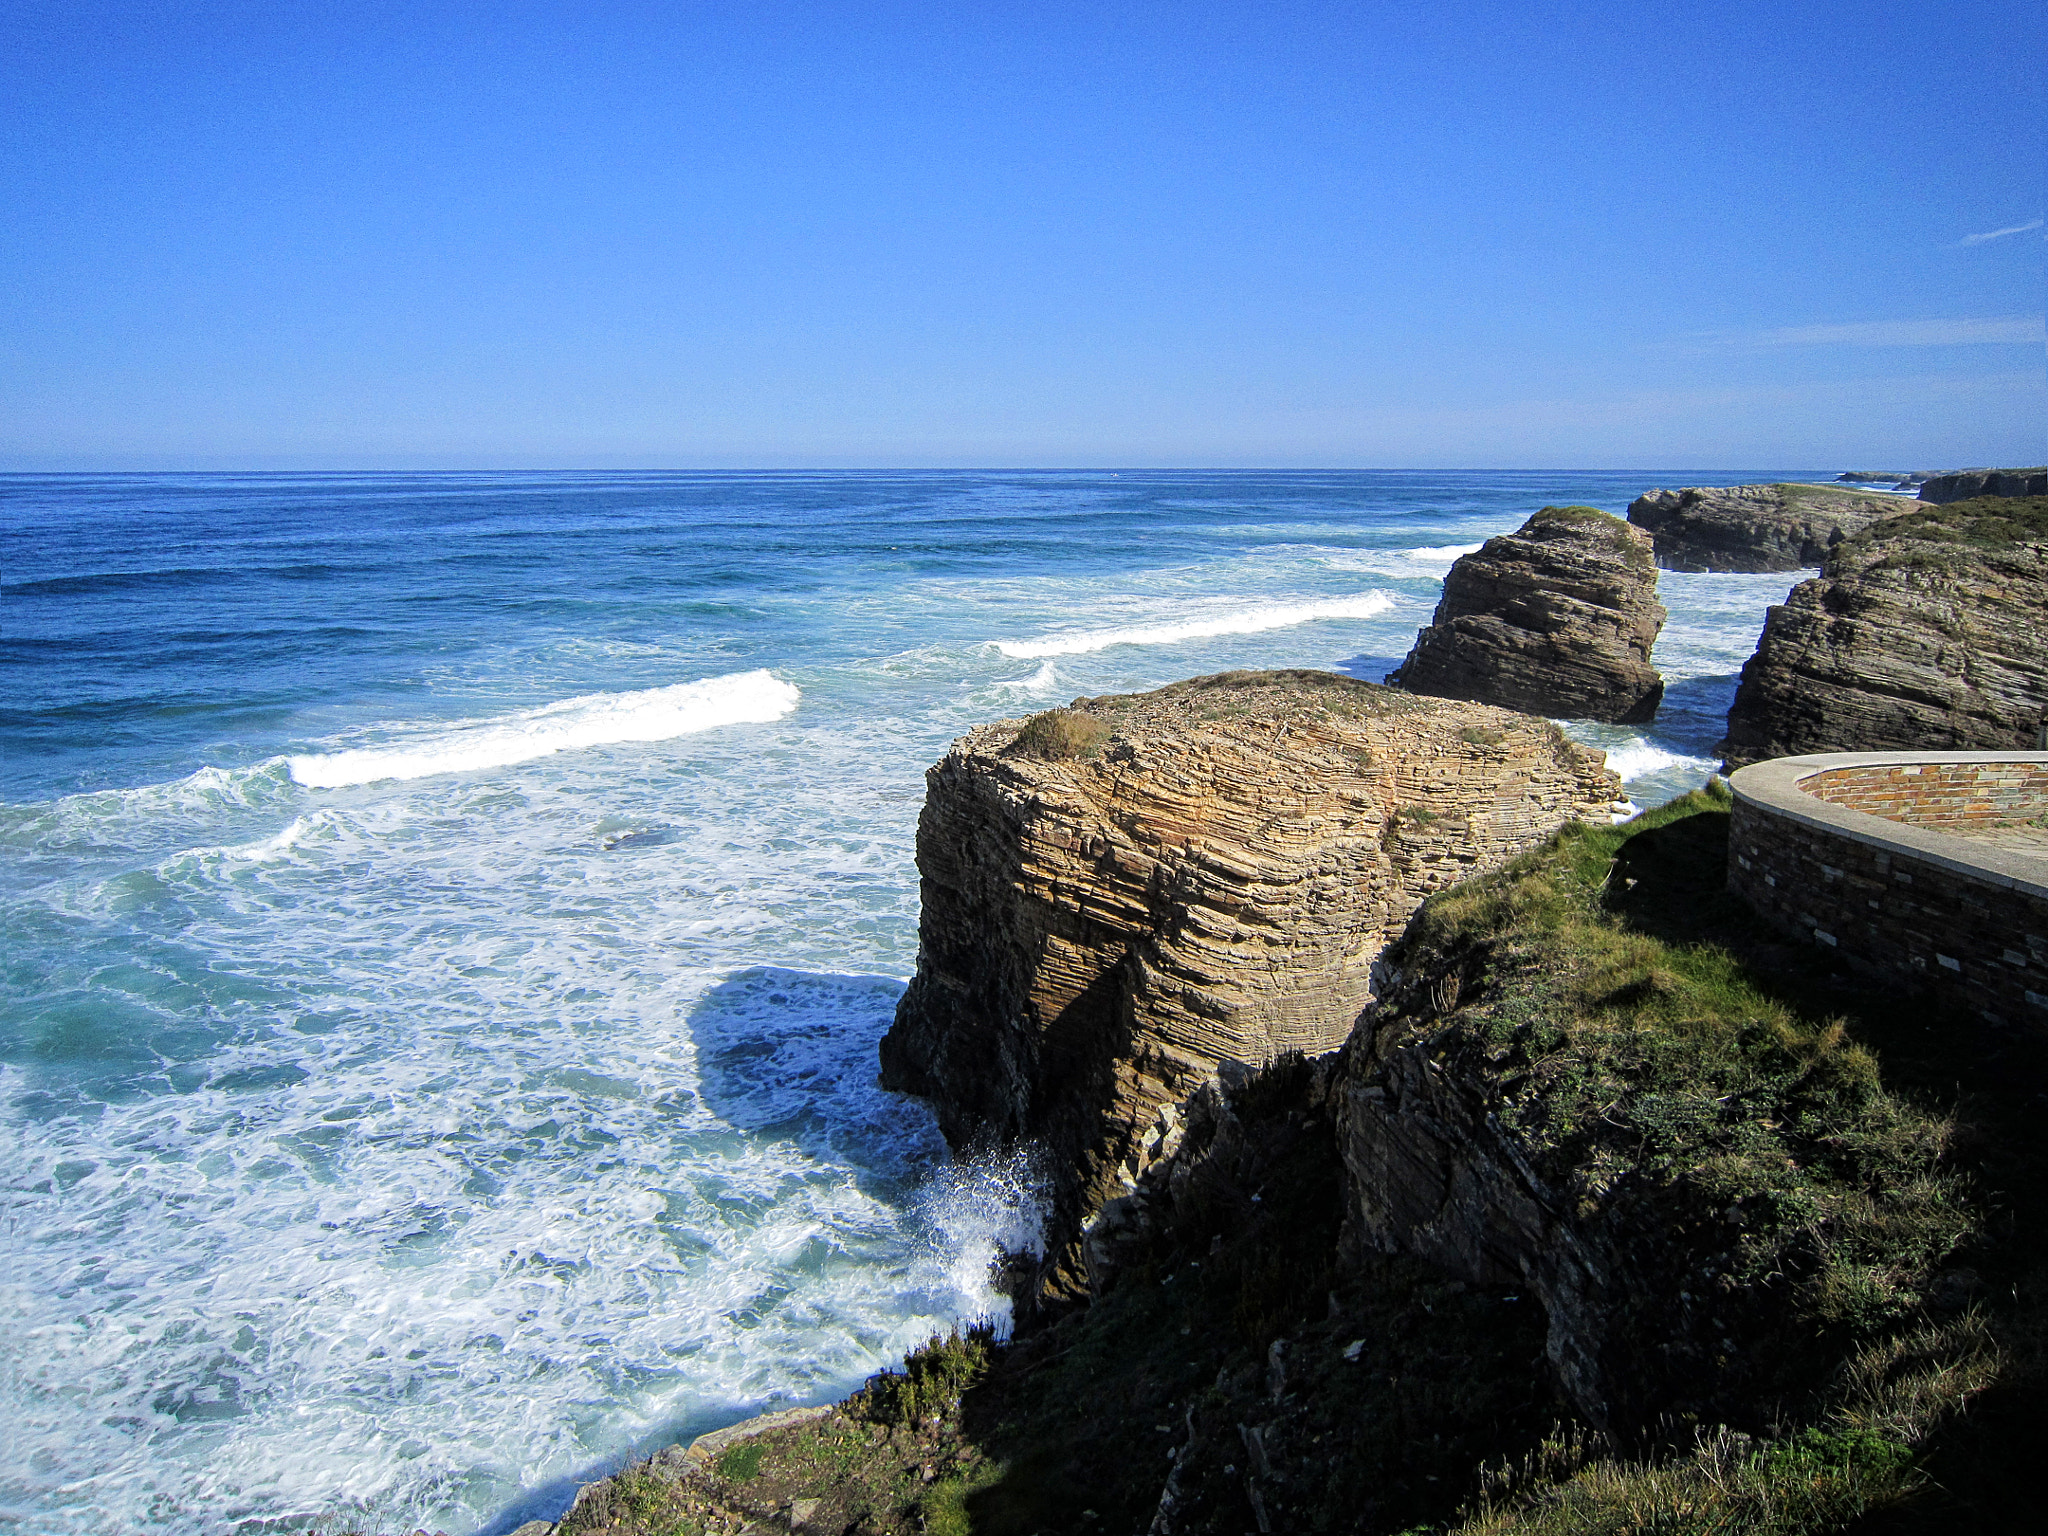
<point x="1594" y="235"/>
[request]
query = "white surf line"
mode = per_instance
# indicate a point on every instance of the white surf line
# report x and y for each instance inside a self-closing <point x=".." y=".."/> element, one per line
<point x="588" y="720"/>
<point x="1245" y="621"/>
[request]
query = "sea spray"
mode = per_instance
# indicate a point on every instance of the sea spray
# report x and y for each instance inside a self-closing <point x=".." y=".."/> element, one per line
<point x="979" y="1215"/>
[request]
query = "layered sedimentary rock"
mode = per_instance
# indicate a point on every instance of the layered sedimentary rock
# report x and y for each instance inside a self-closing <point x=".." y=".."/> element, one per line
<point x="1101" y="933"/>
<point x="1755" y="527"/>
<point x="1928" y="630"/>
<point x="1966" y="484"/>
<point x="1556" y="618"/>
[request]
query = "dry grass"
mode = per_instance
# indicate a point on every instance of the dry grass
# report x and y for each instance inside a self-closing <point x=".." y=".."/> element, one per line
<point x="1061" y="733"/>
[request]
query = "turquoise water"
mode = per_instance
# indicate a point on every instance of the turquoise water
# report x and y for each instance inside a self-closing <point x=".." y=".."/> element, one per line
<point x="449" y="919"/>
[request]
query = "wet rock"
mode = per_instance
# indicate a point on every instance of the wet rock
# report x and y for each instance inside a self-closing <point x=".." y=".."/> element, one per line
<point x="1556" y="618"/>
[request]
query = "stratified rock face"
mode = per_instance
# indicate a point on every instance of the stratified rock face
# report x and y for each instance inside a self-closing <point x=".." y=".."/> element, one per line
<point x="1755" y="527"/>
<point x="1966" y="484"/>
<point x="1929" y="630"/>
<point x="1556" y="618"/>
<point x="1100" y="935"/>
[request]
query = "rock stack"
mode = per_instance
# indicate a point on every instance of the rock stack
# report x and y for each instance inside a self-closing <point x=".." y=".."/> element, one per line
<point x="1966" y="484"/>
<point x="1208" y="881"/>
<point x="1756" y="527"/>
<point x="1928" y="630"/>
<point x="1556" y="618"/>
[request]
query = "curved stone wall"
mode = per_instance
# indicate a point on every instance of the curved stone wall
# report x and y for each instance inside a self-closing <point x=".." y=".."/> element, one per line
<point x="1929" y="866"/>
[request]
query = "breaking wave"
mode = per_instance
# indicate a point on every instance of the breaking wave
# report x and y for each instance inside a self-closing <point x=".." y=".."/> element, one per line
<point x="589" y="720"/>
<point x="1243" y="621"/>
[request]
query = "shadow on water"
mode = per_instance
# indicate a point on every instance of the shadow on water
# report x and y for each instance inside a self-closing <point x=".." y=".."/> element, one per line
<point x="1694" y="715"/>
<point x="790" y="1056"/>
<point x="1371" y="669"/>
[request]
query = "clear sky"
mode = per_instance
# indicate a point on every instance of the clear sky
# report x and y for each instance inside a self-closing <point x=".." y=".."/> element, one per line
<point x="322" y="233"/>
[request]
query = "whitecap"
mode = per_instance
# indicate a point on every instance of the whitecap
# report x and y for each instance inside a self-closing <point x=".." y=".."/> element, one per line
<point x="1242" y="621"/>
<point x="588" y="720"/>
<point x="1633" y="759"/>
<point x="1045" y="680"/>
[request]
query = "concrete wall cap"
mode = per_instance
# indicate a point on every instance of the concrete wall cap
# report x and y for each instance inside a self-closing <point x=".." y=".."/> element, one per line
<point x="1773" y="786"/>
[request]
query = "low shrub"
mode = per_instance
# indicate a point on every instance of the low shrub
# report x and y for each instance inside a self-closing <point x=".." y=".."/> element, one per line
<point x="1061" y="733"/>
<point x="930" y="1385"/>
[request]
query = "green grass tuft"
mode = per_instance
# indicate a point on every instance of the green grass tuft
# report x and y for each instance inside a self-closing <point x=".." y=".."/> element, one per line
<point x="930" y="1385"/>
<point x="741" y="1462"/>
<point x="1061" y="733"/>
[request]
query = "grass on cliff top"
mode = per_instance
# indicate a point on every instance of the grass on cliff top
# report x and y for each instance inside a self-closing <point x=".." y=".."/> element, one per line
<point x="1983" y="522"/>
<point x="1875" y="1161"/>
<point x="1632" y="1052"/>
<point x="1622" y="536"/>
<point x="1793" y="490"/>
<point x="1058" y="734"/>
<point x="1282" y="692"/>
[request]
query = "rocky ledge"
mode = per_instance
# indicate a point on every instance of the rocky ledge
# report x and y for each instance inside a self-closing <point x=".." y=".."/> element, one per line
<point x="1755" y="527"/>
<point x="1928" y="630"/>
<point x="1121" y="898"/>
<point x="1556" y="618"/>
<point x="1967" y="484"/>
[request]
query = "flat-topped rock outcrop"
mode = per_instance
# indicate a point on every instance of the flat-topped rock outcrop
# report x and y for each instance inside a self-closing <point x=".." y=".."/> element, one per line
<point x="1756" y="527"/>
<point x="1121" y="898"/>
<point x="1965" y="484"/>
<point x="1928" y="630"/>
<point x="1557" y="618"/>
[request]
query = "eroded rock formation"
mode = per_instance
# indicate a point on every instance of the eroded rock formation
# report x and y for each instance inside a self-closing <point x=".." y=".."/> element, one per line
<point x="1556" y="618"/>
<point x="1101" y="933"/>
<point x="1927" y="630"/>
<point x="1966" y="484"/>
<point x="1755" y="527"/>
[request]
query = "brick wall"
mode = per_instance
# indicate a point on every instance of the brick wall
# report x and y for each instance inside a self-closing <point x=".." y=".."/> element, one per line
<point x="1938" y="794"/>
<point x="1980" y="938"/>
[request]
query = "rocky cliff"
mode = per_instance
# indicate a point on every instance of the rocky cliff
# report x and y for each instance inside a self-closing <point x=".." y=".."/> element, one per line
<point x="1556" y="618"/>
<point x="1120" y="898"/>
<point x="1965" y="484"/>
<point x="1755" y="527"/>
<point x="1596" y="1155"/>
<point x="1927" y="630"/>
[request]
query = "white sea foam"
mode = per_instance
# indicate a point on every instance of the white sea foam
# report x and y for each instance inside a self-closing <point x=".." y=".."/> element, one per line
<point x="589" y="720"/>
<point x="1241" y="621"/>
<point x="1045" y="680"/>
<point x="977" y="1214"/>
<point x="1635" y="758"/>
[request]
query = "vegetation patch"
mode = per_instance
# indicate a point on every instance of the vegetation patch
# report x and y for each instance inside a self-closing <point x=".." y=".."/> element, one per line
<point x="929" y="1387"/>
<point x="1061" y="733"/>
<point x="1621" y="536"/>
<point x="1983" y="522"/>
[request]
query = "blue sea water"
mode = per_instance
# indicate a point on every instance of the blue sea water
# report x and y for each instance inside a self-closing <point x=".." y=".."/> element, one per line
<point x="448" y="920"/>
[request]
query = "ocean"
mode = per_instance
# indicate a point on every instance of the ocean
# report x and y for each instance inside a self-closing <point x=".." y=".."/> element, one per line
<point x="448" y="920"/>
